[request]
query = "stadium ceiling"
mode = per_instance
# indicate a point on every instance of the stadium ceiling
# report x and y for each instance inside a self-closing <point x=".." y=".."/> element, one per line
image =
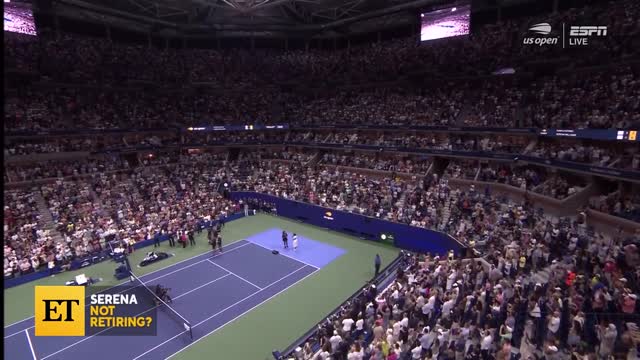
<point x="258" y="18"/>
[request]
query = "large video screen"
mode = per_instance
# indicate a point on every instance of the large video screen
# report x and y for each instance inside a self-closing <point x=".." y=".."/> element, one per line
<point x="444" y="23"/>
<point x="18" y="18"/>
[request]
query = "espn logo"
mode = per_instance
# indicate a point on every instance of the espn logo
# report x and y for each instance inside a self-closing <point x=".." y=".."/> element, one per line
<point x="588" y="31"/>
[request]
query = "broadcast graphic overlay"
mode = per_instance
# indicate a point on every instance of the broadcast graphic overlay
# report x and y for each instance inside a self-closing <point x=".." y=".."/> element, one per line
<point x="67" y="311"/>
<point x="567" y="36"/>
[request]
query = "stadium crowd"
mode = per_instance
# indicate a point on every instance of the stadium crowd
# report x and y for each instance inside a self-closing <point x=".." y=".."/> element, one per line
<point x="58" y="169"/>
<point x="615" y="156"/>
<point x="495" y="309"/>
<point x="508" y="310"/>
<point x="546" y="286"/>
<point x="489" y="47"/>
<point x="524" y="177"/>
<point x="129" y="207"/>
<point x="391" y="163"/>
<point x="607" y="155"/>
<point x="241" y="86"/>
<point x="494" y="104"/>
<point x="625" y="206"/>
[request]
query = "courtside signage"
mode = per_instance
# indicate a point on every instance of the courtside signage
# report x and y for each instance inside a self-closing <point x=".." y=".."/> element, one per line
<point x="66" y="311"/>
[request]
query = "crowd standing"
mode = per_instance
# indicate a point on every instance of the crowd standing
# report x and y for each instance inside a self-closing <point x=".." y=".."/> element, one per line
<point x="558" y="102"/>
<point x="495" y="309"/>
<point x="244" y="86"/>
<point x="470" y="310"/>
<point x="584" y="307"/>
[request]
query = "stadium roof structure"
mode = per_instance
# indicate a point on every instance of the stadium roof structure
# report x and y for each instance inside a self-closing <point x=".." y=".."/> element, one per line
<point x="241" y="18"/>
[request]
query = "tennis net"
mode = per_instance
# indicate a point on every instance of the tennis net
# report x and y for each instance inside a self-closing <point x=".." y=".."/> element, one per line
<point x="173" y="314"/>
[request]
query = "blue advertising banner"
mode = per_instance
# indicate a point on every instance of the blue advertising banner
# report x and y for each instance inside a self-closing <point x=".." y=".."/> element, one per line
<point x="405" y="236"/>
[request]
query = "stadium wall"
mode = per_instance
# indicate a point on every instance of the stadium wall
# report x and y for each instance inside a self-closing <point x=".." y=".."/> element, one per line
<point x="405" y="237"/>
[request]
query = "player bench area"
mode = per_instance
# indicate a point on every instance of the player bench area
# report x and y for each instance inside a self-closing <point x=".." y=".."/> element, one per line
<point x="209" y="290"/>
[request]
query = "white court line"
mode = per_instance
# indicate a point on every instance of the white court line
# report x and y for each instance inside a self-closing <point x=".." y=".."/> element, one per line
<point x="201" y="286"/>
<point x="147" y="274"/>
<point x="234" y="274"/>
<point x="18" y="322"/>
<point x="33" y="352"/>
<point x="196" y="263"/>
<point x="154" y="271"/>
<point x="227" y="308"/>
<point x="17" y="332"/>
<point x="285" y="255"/>
<point x="235" y="318"/>
<point x="154" y="279"/>
<point x="155" y="307"/>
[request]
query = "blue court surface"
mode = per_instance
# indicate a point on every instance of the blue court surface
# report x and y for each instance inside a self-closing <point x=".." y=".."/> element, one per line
<point x="209" y="290"/>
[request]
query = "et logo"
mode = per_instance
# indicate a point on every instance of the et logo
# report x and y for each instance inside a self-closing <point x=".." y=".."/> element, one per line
<point x="60" y="311"/>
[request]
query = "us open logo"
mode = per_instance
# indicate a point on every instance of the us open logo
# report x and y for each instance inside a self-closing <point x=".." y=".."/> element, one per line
<point x="543" y="30"/>
<point x="328" y="215"/>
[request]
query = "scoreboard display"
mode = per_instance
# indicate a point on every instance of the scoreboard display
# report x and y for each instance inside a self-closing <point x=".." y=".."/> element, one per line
<point x="238" y="127"/>
<point x="445" y="23"/>
<point x="18" y="18"/>
<point x="595" y="134"/>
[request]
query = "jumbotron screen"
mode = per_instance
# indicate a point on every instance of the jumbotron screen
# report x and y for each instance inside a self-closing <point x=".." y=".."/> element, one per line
<point x="444" y="23"/>
<point x="18" y="18"/>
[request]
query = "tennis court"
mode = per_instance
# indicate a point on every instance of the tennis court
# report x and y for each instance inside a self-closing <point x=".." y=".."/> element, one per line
<point x="209" y="291"/>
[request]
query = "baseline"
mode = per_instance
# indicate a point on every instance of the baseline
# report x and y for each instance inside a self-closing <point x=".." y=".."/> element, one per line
<point x="143" y="277"/>
<point x="211" y="324"/>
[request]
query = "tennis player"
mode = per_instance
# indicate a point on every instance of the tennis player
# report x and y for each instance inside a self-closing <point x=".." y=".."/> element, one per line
<point x="219" y="242"/>
<point x="285" y="239"/>
<point x="295" y="242"/>
<point x="212" y="241"/>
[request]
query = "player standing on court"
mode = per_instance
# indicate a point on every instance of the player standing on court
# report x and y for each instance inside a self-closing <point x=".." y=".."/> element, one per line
<point x="220" y="242"/>
<point x="285" y="240"/>
<point x="212" y="240"/>
<point x="295" y="242"/>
